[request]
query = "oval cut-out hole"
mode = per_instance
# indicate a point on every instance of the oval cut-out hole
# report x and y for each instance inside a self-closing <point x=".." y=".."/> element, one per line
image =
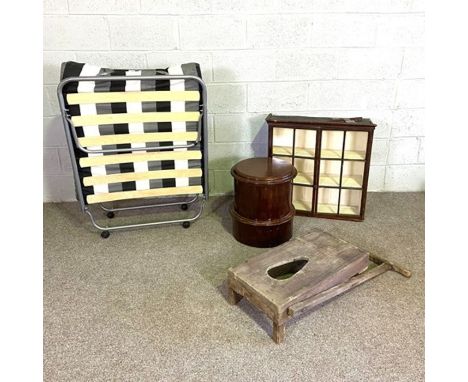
<point x="285" y="271"/>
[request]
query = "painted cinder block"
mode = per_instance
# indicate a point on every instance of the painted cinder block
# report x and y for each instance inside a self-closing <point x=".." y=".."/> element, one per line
<point x="277" y="96"/>
<point x="403" y="151"/>
<point x="51" y="161"/>
<point x="356" y="5"/>
<point x="109" y="7"/>
<point x="410" y="94"/>
<point x="246" y="7"/>
<point x="241" y="128"/>
<point x="413" y="63"/>
<point x="211" y="182"/>
<point x="376" y="178"/>
<point x="211" y="133"/>
<point x="55" y="7"/>
<point x="243" y="65"/>
<point x="266" y="31"/>
<point x="143" y="32"/>
<point x="226" y="98"/>
<point x="421" y="153"/>
<point x="65" y="160"/>
<point x="53" y="132"/>
<point x="382" y="118"/>
<point x="207" y="32"/>
<point x="76" y="33"/>
<point x="176" y="7"/>
<point x="119" y="60"/>
<point x="223" y="182"/>
<point x="307" y="64"/>
<point x="163" y="59"/>
<point x="52" y="61"/>
<point x="405" y="178"/>
<point x="408" y="123"/>
<point x="50" y="101"/>
<point x="351" y="94"/>
<point x="402" y="30"/>
<point x="224" y="155"/>
<point x="369" y="63"/>
<point x="58" y="188"/>
<point x="339" y="58"/>
<point x="333" y="30"/>
<point x="418" y="5"/>
<point x="379" y="152"/>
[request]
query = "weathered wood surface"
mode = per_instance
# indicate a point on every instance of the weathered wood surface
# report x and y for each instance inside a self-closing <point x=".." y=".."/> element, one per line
<point x="279" y="332"/>
<point x="333" y="267"/>
<point x="395" y="267"/>
<point x="330" y="261"/>
<point x="337" y="290"/>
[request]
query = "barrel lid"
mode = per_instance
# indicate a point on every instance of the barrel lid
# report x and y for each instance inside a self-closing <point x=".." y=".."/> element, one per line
<point x="264" y="170"/>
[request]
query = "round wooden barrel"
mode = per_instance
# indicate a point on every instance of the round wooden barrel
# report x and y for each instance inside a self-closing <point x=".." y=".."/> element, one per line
<point x="262" y="212"/>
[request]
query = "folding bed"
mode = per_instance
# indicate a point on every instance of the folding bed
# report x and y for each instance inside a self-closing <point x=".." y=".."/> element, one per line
<point x="135" y="135"/>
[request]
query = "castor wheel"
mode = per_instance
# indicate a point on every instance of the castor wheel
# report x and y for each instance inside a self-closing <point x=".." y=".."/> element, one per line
<point x="110" y="214"/>
<point x="184" y="207"/>
<point x="105" y="234"/>
<point x="186" y="224"/>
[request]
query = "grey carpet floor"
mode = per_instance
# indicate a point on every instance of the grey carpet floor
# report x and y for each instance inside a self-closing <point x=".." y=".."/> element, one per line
<point x="150" y="304"/>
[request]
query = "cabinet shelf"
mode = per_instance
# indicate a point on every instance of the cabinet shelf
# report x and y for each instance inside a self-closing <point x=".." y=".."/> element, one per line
<point x="332" y="182"/>
<point x="349" y="210"/>
<point x="354" y="155"/>
<point x="302" y="205"/>
<point x="306" y="178"/>
<point x="282" y="150"/>
<point x="323" y="208"/>
<point x="329" y="180"/>
<point x="350" y="155"/>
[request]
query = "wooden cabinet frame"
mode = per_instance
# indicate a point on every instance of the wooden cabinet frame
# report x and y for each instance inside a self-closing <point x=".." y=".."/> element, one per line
<point x="344" y="157"/>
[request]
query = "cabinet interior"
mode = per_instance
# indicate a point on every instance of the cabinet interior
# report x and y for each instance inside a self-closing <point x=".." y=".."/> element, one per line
<point x="335" y="174"/>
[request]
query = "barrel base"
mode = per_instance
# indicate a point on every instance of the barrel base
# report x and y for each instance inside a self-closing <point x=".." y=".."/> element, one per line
<point x="261" y="235"/>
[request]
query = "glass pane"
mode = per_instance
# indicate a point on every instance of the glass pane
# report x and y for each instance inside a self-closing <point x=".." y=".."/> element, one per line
<point x="356" y="144"/>
<point x="302" y="198"/>
<point x="332" y="144"/>
<point x="350" y="202"/>
<point x="353" y="173"/>
<point x="305" y="143"/>
<point x="282" y="141"/>
<point x="330" y="173"/>
<point x="327" y="202"/>
<point x="305" y="171"/>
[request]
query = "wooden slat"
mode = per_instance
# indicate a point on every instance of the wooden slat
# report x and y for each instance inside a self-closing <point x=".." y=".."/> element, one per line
<point x="337" y="290"/>
<point x="134" y="176"/>
<point x="101" y="160"/>
<point x="144" y="96"/>
<point x="137" y="194"/>
<point x="106" y="119"/>
<point x="115" y="139"/>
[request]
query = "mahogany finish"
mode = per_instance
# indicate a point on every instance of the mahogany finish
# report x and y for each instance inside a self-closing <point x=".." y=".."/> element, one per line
<point x="321" y="125"/>
<point x="262" y="212"/>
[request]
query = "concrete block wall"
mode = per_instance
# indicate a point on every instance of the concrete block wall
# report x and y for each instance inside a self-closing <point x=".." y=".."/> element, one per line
<point x="338" y="58"/>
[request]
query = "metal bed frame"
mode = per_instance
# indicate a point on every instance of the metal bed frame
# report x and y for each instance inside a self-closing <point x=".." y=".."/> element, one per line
<point x="202" y="140"/>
